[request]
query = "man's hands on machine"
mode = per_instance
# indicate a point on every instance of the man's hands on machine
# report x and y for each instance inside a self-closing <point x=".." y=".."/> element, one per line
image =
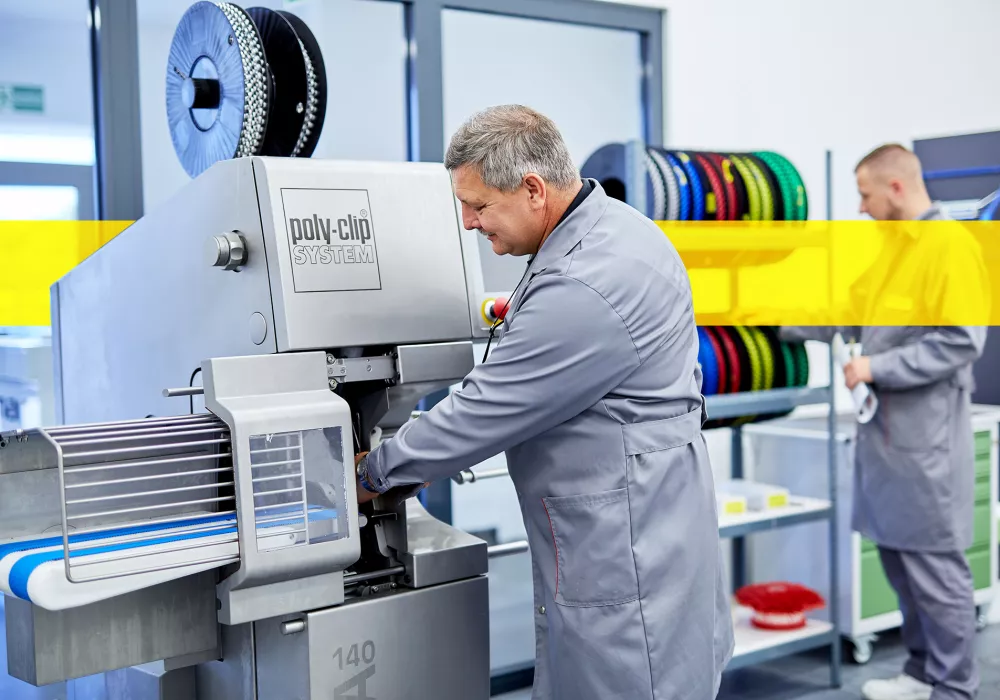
<point x="367" y="493"/>
<point x="364" y="495"/>
<point x="858" y="371"/>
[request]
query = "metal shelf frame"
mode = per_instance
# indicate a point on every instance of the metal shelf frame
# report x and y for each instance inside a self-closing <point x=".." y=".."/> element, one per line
<point x="761" y="402"/>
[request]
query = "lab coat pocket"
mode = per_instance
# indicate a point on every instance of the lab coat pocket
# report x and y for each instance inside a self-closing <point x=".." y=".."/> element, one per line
<point x="916" y="420"/>
<point x="593" y="548"/>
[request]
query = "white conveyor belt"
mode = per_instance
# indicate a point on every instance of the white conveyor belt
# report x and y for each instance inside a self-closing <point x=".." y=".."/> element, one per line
<point x="34" y="569"/>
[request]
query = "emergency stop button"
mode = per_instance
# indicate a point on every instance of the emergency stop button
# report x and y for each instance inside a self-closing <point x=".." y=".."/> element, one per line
<point x="495" y="309"/>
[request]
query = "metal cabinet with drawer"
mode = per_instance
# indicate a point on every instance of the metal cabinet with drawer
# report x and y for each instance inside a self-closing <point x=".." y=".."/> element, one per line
<point x="792" y="451"/>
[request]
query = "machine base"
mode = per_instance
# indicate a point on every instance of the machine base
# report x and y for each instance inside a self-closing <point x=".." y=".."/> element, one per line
<point x="431" y="643"/>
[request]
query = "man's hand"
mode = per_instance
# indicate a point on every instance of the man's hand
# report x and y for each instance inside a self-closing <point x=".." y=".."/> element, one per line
<point x="364" y="495"/>
<point x="858" y="371"/>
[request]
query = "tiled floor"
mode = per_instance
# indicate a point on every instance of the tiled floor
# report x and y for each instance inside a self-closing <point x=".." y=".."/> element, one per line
<point x="807" y="676"/>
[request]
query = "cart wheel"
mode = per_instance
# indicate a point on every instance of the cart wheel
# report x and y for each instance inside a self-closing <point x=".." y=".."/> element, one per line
<point x="862" y="653"/>
<point x="981" y="621"/>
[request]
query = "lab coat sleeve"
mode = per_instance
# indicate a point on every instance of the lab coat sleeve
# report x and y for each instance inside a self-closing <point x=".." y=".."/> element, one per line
<point x="934" y="356"/>
<point x="565" y="348"/>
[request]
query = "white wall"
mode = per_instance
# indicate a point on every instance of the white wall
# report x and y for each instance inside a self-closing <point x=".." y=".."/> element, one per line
<point x="803" y="77"/>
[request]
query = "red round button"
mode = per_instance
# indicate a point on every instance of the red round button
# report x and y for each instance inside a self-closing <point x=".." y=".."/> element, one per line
<point x="500" y="306"/>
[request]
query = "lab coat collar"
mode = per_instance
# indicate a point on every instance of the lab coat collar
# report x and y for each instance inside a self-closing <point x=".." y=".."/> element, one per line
<point x="571" y="231"/>
<point x="933" y="213"/>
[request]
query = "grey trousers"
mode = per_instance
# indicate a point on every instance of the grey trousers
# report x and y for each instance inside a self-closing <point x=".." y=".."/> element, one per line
<point x="939" y="619"/>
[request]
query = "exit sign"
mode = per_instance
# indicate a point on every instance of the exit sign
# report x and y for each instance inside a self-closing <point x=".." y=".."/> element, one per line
<point x="22" y="98"/>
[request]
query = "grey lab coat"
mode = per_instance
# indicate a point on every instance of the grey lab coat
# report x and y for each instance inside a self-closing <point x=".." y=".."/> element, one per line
<point x="593" y="391"/>
<point x="914" y="472"/>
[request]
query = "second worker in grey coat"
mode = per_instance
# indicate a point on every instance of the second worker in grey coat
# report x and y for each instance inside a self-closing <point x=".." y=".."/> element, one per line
<point x="594" y="393"/>
<point x="914" y="462"/>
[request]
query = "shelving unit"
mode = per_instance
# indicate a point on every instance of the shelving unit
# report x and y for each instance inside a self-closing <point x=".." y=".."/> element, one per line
<point x="754" y="646"/>
<point x="868" y="604"/>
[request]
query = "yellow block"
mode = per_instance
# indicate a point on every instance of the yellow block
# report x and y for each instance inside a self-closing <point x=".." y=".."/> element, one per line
<point x="855" y="273"/>
<point x="844" y="273"/>
<point x="35" y="254"/>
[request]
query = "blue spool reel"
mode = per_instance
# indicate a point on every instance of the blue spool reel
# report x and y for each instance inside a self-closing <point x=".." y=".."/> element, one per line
<point x="709" y="364"/>
<point x="683" y="186"/>
<point x="697" y="192"/>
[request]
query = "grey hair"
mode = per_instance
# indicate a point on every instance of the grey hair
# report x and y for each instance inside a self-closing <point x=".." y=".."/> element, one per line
<point x="506" y="142"/>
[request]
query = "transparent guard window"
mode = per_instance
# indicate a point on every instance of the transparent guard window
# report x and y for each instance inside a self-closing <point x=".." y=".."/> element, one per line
<point x="299" y="486"/>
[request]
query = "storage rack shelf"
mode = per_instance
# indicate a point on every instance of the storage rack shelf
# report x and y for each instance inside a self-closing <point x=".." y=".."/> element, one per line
<point x="752" y="645"/>
<point x="798" y="510"/>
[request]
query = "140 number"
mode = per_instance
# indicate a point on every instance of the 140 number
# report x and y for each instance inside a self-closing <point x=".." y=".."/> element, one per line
<point x="355" y="657"/>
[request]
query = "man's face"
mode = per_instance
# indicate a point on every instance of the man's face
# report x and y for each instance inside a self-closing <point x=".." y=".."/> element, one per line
<point x="881" y="197"/>
<point x="512" y="221"/>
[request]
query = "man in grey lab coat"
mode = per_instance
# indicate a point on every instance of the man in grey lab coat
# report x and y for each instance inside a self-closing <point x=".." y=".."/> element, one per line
<point x="914" y="462"/>
<point x="594" y="393"/>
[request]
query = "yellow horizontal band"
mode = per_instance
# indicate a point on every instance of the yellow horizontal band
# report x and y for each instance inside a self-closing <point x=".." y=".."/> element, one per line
<point x="843" y="273"/>
<point x="857" y="273"/>
<point x="35" y="254"/>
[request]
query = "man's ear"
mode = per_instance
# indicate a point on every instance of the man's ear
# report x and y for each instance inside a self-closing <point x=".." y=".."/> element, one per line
<point x="536" y="189"/>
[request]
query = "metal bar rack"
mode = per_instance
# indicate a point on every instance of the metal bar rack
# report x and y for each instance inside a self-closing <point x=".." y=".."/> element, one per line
<point x="755" y="646"/>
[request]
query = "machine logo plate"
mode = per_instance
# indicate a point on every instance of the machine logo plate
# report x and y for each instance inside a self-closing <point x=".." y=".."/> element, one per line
<point x="331" y="238"/>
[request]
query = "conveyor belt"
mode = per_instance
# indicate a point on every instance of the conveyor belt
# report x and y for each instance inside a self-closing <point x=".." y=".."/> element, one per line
<point x="33" y="569"/>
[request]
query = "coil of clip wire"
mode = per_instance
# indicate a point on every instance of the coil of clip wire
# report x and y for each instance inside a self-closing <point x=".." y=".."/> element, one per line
<point x="224" y="66"/>
<point x="699" y="185"/>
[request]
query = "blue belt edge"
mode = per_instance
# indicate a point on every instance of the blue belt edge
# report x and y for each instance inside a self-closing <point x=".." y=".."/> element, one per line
<point x="21" y="571"/>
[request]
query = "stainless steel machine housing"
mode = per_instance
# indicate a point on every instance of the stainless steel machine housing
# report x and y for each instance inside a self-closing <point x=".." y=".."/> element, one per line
<point x="281" y="296"/>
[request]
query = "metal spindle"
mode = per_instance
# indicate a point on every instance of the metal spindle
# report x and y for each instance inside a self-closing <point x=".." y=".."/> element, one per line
<point x="146" y="448"/>
<point x="148" y="462"/>
<point x="158" y="492"/>
<point x="178" y="504"/>
<point x="132" y="437"/>
<point x="150" y="478"/>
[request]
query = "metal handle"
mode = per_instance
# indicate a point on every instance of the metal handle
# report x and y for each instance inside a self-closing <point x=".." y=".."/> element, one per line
<point x="468" y="476"/>
<point x="293" y="627"/>
<point x="507" y="549"/>
<point x="184" y="391"/>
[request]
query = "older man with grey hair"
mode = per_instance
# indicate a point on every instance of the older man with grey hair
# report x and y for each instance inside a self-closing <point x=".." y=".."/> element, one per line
<point x="594" y="392"/>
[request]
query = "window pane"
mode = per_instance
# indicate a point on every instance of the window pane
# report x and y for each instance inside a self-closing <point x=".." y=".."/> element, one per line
<point x="39" y="203"/>
<point x="46" y="104"/>
<point x="586" y="79"/>
<point x="364" y="50"/>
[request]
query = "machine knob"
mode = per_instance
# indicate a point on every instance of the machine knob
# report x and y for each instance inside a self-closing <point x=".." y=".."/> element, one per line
<point x="227" y="250"/>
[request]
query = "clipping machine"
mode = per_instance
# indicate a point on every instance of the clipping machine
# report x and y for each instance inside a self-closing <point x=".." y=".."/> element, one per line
<point x="225" y="540"/>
